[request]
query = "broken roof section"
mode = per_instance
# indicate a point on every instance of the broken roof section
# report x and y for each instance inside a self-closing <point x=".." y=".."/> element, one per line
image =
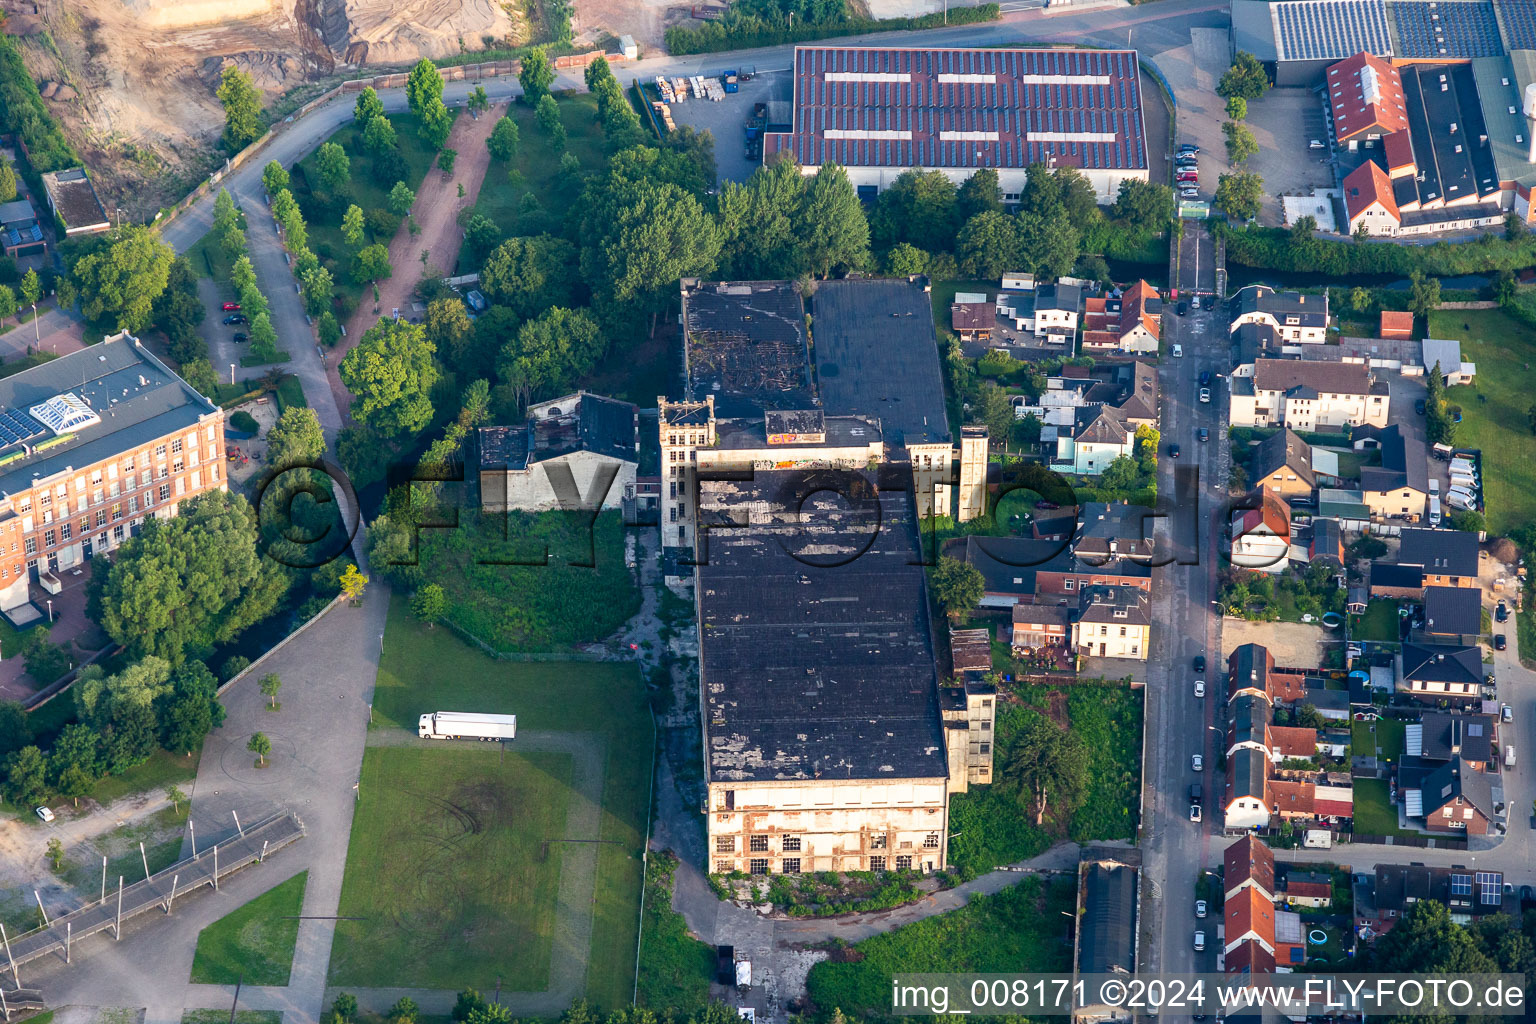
<point x="814" y="637"/>
<point x="745" y="343"/>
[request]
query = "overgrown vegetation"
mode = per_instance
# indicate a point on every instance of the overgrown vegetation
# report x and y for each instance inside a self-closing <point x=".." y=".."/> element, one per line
<point x="675" y="968"/>
<point x="1279" y="249"/>
<point x="777" y="22"/>
<point x="22" y="111"/>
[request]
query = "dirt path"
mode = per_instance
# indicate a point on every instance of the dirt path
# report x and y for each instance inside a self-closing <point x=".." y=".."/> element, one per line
<point x="436" y="212"/>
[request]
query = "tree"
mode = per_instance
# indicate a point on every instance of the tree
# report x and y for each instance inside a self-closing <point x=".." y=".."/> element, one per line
<point x="758" y="235"/>
<point x="957" y="586"/>
<point x="352" y="225"/>
<point x="1469" y="520"/>
<point x="424" y="96"/>
<point x="9" y="306"/>
<point x="994" y="408"/>
<point x="1245" y="78"/>
<point x="449" y="328"/>
<point x="31" y="288"/>
<point x="1425" y="941"/>
<point x="7" y="181"/>
<point x="334" y="166"/>
<point x="445" y="161"/>
<point x="503" y="140"/>
<point x="429" y="604"/>
<point x="1240" y="195"/>
<point x="269" y="685"/>
<point x="175" y="796"/>
<point x="15" y="730"/>
<point x="987" y="245"/>
<point x="1504" y="287"/>
<point x="124" y="277"/>
<point x="1359" y="299"/>
<point x="919" y="207"/>
<point x="191" y="710"/>
<point x="274" y="178"/>
<point x="405" y="1010"/>
<point x="390" y="374"/>
<point x="495" y="1013"/>
<point x="379" y="135"/>
<point x="1425" y="296"/>
<point x="1048" y="243"/>
<point x="400" y="199"/>
<point x="1237" y="108"/>
<point x="547" y="113"/>
<point x="187" y="582"/>
<point x="478" y="101"/>
<point x="295" y="439"/>
<point x="74" y="763"/>
<point x="328" y="329"/>
<point x="1240" y="142"/>
<point x="549" y="352"/>
<point x="200" y="374"/>
<point x="904" y="260"/>
<point x="353" y="583"/>
<point x="1144" y="205"/>
<point x="468" y="1002"/>
<point x="980" y="193"/>
<point x="1047" y="765"/>
<point x="263" y="336"/>
<point x="536" y="75"/>
<point x="318" y="290"/>
<point x="45" y="661"/>
<point x="834" y="231"/>
<point x="260" y="746"/>
<point x="242" y="108"/>
<point x="639" y="238"/>
<point x="368" y="107"/>
<point x="26" y="776"/>
<point x="371" y="263"/>
<point x="56" y="854"/>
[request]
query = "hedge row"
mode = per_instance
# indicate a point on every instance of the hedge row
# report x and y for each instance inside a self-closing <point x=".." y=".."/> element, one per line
<point x="1275" y="249"/>
<point x="745" y="32"/>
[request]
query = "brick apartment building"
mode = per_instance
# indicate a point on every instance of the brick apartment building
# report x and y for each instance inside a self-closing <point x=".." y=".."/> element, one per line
<point x="91" y="444"/>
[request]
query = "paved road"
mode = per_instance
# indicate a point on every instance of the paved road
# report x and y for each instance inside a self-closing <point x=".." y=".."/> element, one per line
<point x="1179" y="724"/>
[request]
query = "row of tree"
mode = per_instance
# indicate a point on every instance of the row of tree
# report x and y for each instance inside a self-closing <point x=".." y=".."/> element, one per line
<point x="242" y="275"/>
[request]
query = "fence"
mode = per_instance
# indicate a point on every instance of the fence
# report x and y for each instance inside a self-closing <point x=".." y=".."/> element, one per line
<point x="394" y="80"/>
<point x="284" y="642"/>
<point x="248" y="846"/>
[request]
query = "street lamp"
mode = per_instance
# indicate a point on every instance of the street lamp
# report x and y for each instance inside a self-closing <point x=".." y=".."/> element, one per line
<point x="50" y="609"/>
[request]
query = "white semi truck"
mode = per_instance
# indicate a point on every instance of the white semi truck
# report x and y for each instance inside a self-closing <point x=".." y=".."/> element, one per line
<point x="466" y="725"/>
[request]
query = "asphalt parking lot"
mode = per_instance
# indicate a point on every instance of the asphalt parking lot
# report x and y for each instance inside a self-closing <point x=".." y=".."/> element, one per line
<point x="725" y="120"/>
<point x="1284" y="122"/>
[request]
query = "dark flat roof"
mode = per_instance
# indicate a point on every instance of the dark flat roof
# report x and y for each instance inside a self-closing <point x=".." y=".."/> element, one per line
<point x="1107" y="942"/>
<point x="839" y="431"/>
<point x="815" y="650"/>
<point x="899" y="107"/>
<point x="876" y="357"/>
<point x="745" y="343"/>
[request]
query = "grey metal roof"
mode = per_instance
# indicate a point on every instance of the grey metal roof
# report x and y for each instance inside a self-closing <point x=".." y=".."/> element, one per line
<point x="1282" y="449"/>
<point x="137" y="398"/>
<point x="1404" y="464"/>
<point x="1332" y="29"/>
<point x="1107" y="941"/>
<point x="1253" y="29"/>
<point x="814" y="635"/>
<point x="17" y="211"/>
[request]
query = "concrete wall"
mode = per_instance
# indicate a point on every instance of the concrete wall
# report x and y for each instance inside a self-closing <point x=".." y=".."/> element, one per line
<point x="531" y="490"/>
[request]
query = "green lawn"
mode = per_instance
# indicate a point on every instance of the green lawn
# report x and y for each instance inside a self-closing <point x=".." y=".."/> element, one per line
<point x="447" y="868"/>
<point x="1384" y="738"/>
<point x="254" y="944"/>
<point x="290" y="392"/>
<point x="1503" y="351"/>
<point x="237" y="1017"/>
<point x="366" y="189"/>
<point x="1021" y="929"/>
<point x="1350" y="463"/>
<point x="208" y="259"/>
<point x="431" y="669"/>
<point x="943" y="296"/>
<point x="162" y="769"/>
<point x="535" y="171"/>
<point x="1378" y="623"/>
<point x="1375" y="814"/>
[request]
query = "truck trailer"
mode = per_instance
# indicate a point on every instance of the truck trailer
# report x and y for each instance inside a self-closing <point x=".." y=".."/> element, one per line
<point x="465" y="725"/>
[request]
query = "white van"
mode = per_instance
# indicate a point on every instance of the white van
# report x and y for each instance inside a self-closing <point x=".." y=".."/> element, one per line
<point x="1509" y="755"/>
<point x="1434" y="487"/>
<point x="1434" y="510"/>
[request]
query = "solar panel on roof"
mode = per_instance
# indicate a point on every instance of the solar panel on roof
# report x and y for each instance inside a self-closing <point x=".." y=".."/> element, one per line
<point x="1461" y="885"/>
<point x="1490" y="890"/>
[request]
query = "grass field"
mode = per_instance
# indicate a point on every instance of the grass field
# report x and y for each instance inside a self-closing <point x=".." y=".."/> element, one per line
<point x="1375" y="815"/>
<point x="446" y="865"/>
<point x="1503" y="351"/>
<point x="1021" y="929"/>
<point x="1380" y="622"/>
<point x="431" y="669"/>
<point x="254" y="944"/>
<point x="535" y="171"/>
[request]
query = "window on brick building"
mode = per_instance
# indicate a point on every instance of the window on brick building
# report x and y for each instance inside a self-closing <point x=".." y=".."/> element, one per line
<point x="50" y="539"/>
<point x="877" y="842"/>
<point x="792" y="844"/>
<point x="68" y="529"/>
<point x="101" y="517"/>
<point x="758" y="865"/>
<point x="725" y="844"/>
<point x="903" y="863"/>
<point x="31" y="545"/>
<point x="931" y="841"/>
<point x="791" y="865"/>
<point x="759" y="844"/>
<point x="877" y="863"/>
<point x="176" y="447"/>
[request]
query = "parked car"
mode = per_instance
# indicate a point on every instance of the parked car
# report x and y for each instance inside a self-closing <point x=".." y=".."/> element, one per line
<point x="239" y="337"/>
<point x="1199" y="942"/>
<point x="1316" y="144"/>
<point x="1173" y="451"/>
<point x="230" y="307"/>
<point x="236" y="319"/>
<point x="1178" y="351"/>
<point x="1499" y="643"/>
<point x="1183" y="308"/>
<point x="1197" y="762"/>
<point x="1199" y="687"/>
<point x="1418" y="407"/>
<point x="1205" y="435"/>
<point x="1205" y="394"/>
<point x="1201" y="908"/>
<point x="1194" y="812"/>
<point x="1205" y="377"/>
<point x="45" y="813"/>
<point x="1507" y="713"/>
<point x="1192" y="177"/>
<point x="1501" y="613"/>
<point x="1199" y="663"/>
<point x="1189" y="147"/>
<point x="1189" y="193"/>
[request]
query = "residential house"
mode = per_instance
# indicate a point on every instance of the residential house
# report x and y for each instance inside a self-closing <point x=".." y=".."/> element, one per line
<point x="1435" y="672"/>
<point x="1308" y="396"/>
<point x="1396" y="325"/>
<point x="1452" y="615"/>
<point x="1454" y="798"/>
<point x="1098" y="544"/>
<point x="1261" y="535"/>
<point x="1252" y="342"/>
<point x="1057" y="308"/>
<point x="1098" y="437"/>
<point x="1399" y="487"/>
<point x="1327" y="544"/>
<point x="1130" y="388"/>
<point x="1306" y="889"/>
<point x="1112" y="622"/>
<point x="1282" y="462"/>
<point x="20" y="233"/>
<point x="1446" y="354"/>
<point x="1466" y="893"/>
<point x="1251" y="669"/>
<point x="1009" y="565"/>
<point x="1040" y="628"/>
<point x="1131" y="323"/>
<point x="1369" y="201"/>
<point x="1248" y="864"/>
<point x="1365" y="95"/>
<point x="973" y="321"/>
<point x="1440" y="736"/>
<point x="1246" y="805"/>
<point x="1249" y="916"/>
<point x="1449" y="558"/>
<point x="1397" y="582"/>
<point x="576" y="452"/>
<point x="1297" y="318"/>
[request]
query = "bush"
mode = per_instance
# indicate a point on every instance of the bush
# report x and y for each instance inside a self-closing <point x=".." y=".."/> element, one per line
<point x="747" y="31"/>
<point x="234" y="666"/>
<point x="244" y="422"/>
<point x="381" y="224"/>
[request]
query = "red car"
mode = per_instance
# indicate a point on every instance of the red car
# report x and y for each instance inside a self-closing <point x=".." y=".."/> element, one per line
<point x="1187" y="176"/>
<point x="231" y="306"/>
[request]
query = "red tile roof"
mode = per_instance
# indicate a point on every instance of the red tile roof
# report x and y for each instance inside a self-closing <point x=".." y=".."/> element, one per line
<point x="1248" y="859"/>
<point x="1398" y="149"/>
<point x="1333" y="808"/>
<point x="1250" y="958"/>
<point x="1250" y="914"/>
<point x="1292" y="797"/>
<point x="1133" y="308"/>
<point x="1291" y="740"/>
<point x="1367" y="97"/>
<point x="1309" y="890"/>
<point x="1396" y="323"/>
<point x="1369" y="184"/>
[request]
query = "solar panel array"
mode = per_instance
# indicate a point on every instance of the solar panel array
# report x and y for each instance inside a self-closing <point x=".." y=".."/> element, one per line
<point x="1490" y="888"/>
<point x="16" y="427"/>
<point x="1013" y="104"/>
<point x="1446" y="29"/>
<point x="1332" y="29"/>
<point x="1461" y="885"/>
<point x="1517" y="20"/>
